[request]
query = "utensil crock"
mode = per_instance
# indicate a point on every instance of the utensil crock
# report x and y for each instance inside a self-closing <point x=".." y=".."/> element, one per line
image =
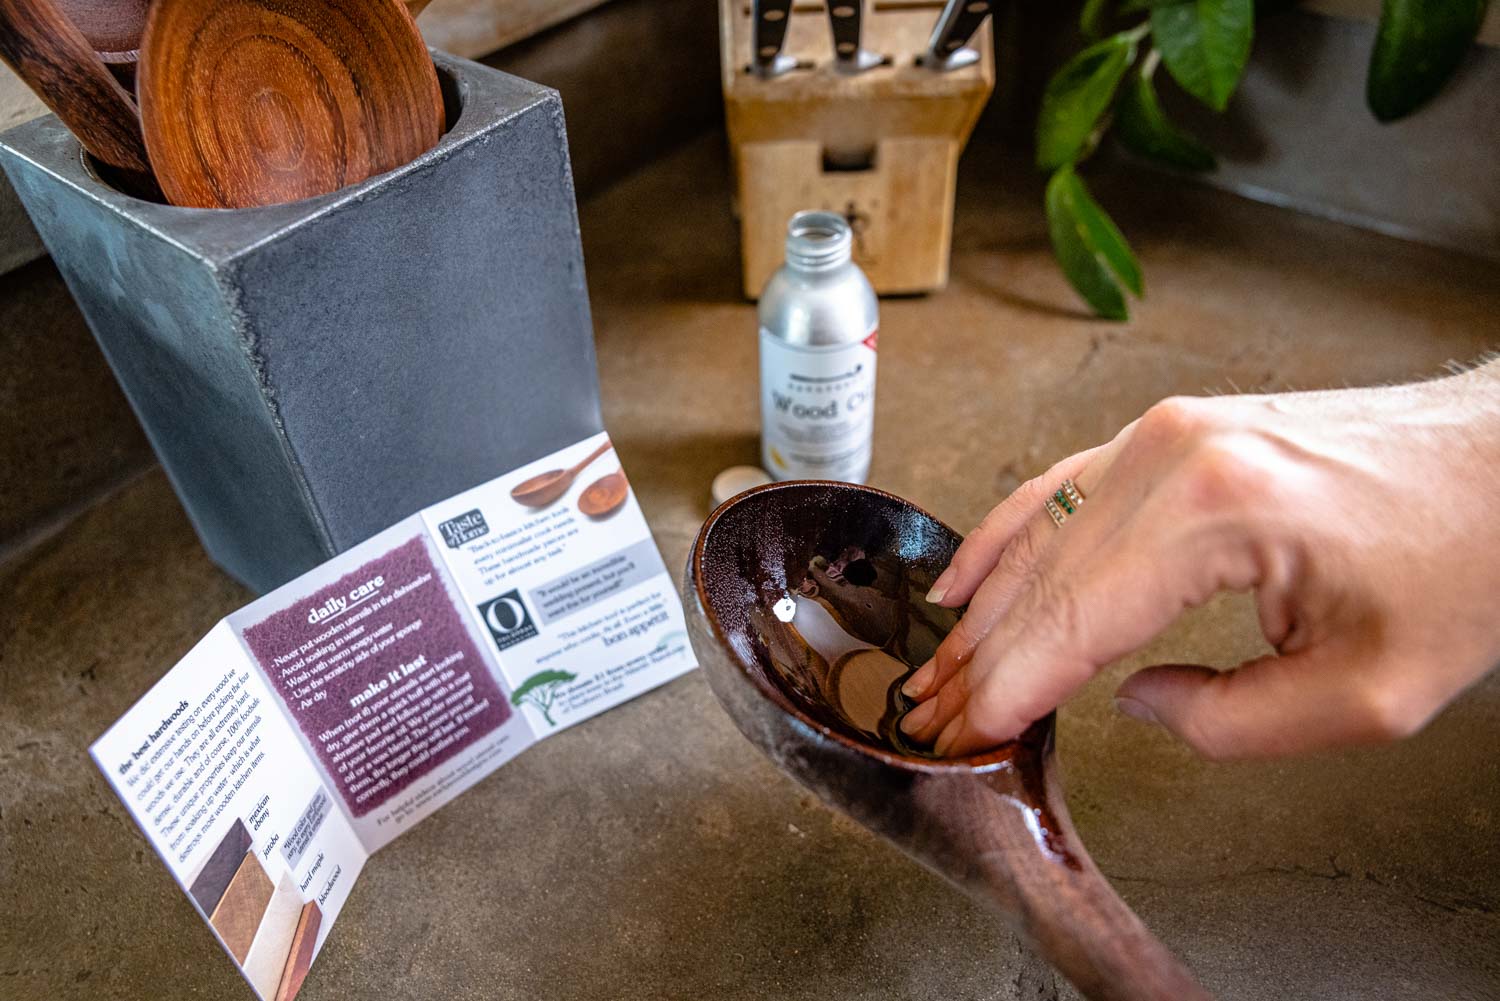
<point x="994" y="824"/>
<point x="312" y="372"/>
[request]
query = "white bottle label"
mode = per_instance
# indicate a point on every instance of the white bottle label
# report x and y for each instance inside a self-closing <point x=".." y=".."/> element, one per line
<point x="817" y="409"/>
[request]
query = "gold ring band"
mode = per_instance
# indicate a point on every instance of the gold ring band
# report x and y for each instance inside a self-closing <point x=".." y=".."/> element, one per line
<point x="1065" y="501"/>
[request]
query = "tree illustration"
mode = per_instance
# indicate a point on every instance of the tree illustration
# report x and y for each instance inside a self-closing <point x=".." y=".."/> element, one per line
<point x="541" y="691"/>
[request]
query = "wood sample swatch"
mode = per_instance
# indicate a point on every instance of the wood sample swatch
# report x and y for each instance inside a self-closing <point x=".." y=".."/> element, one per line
<point x="273" y="940"/>
<point x="213" y="879"/>
<point x="239" y="912"/>
<point x="301" y="957"/>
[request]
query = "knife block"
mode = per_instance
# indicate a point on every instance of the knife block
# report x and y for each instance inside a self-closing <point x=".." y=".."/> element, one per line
<point x="880" y="147"/>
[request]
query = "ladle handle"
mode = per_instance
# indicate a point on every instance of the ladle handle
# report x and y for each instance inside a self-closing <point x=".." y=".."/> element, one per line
<point x="1016" y="850"/>
<point x="592" y="456"/>
<point x="54" y="59"/>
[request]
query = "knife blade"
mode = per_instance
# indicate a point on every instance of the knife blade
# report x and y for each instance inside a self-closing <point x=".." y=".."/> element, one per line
<point x="846" y="17"/>
<point x="768" y="33"/>
<point x="948" y="49"/>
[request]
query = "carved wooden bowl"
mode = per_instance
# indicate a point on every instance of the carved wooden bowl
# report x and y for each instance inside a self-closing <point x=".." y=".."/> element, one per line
<point x="994" y="824"/>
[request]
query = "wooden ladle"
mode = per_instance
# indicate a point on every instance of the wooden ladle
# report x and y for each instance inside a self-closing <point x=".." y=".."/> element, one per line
<point x="112" y="27"/>
<point x="56" y="61"/>
<point x="254" y="102"/>
<point x="544" y="488"/>
<point x="994" y="824"/>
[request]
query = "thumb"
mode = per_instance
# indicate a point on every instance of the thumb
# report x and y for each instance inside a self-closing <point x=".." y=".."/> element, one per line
<point x="1311" y="700"/>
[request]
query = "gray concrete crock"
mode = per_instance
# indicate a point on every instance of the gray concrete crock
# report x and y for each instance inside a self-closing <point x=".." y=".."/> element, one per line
<point x="309" y="373"/>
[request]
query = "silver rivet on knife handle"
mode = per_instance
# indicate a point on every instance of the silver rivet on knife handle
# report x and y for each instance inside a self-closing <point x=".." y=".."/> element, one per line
<point x="948" y="49"/>
<point x="767" y="33"/>
<point x="845" y="17"/>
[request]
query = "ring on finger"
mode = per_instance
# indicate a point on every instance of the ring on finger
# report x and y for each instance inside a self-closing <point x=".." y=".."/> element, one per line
<point x="1065" y="501"/>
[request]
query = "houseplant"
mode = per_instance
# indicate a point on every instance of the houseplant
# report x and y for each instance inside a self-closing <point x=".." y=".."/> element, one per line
<point x="1203" y="46"/>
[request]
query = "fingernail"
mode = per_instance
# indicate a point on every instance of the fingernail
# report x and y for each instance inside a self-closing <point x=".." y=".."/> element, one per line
<point x="940" y="587"/>
<point x="917" y="683"/>
<point x="1136" y="709"/>
<point x="918" y="717"/>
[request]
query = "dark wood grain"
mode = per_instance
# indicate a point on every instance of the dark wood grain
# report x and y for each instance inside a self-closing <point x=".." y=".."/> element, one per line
<point x="238" y="914"/>
<point x="995" y="824"/>
<point x="112" y="27"/>
<point x="213" y="879"/>
<point x="304" y="944"/>
<point x="254" y="102"/>
<point x="55" y="60"/>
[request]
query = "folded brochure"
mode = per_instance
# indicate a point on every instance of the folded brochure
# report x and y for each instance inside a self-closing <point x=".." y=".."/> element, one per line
<point x="312" y="727"/>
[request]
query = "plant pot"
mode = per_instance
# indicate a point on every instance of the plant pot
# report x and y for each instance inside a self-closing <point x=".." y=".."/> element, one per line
<point x="310" y="373"/>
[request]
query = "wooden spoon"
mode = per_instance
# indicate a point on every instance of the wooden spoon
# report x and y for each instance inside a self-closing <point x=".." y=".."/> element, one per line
<point x="544" y="488"/>
<point x="255" y="102"/>
<point x="113" y="27"/>
<point x="994" y="824"/>
<point x="57" y="62"/>
<point x="605" y="495"/>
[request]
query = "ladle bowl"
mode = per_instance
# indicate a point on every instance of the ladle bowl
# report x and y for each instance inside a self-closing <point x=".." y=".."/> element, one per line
<point x="994" y="824"/>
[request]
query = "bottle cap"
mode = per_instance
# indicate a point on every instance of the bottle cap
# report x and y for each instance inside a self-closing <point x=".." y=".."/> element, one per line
<point x="736" y="480"/>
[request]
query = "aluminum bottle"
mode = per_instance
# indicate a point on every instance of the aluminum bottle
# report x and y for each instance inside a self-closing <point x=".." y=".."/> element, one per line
<point x="819" y="320"/>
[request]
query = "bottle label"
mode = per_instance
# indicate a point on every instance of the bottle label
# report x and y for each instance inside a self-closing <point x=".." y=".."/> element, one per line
<point x="817" y="409"/>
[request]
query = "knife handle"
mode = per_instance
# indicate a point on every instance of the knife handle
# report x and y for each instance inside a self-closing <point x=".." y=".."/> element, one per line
<point x="955" y="26"/>
<point x="845" y="16"/>
<point x="769" y="29"/>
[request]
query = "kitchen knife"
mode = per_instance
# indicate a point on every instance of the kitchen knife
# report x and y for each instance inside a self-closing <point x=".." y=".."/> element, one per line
<point x="948" y="49"/>
<point x="845" y="16"/>
<point x="768" y="32"/>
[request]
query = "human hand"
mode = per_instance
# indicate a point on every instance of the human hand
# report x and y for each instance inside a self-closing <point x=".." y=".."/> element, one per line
<point x="1364" y="521"/>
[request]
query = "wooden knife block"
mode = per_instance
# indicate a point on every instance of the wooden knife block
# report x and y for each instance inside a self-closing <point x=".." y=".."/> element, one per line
<point x="880" y="147"/>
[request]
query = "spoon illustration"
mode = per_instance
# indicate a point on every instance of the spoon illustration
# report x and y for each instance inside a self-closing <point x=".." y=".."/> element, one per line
<point x="605" y="495"/>
<point x="544" y="488"/>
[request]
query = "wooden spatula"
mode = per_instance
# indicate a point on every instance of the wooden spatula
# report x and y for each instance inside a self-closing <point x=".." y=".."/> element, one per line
<point x="54" y="58"/>
<point x="254" y="102"/>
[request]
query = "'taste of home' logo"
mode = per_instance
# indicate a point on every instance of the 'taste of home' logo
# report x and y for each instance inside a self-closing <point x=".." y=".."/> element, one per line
<point x="507" y="619"/>
<point x="464" y="528"/>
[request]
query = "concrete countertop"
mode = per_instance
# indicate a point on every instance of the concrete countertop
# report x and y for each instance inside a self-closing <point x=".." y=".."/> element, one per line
<point x="652" y="853"/>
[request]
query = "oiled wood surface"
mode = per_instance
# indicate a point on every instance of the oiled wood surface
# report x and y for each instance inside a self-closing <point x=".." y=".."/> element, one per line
<point x="112" y="27"/>
<point x="55" y="60"/>
<point x="254" y="103"/>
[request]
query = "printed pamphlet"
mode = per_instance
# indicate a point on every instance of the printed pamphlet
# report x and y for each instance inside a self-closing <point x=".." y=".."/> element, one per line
<point x="312" y="727"/>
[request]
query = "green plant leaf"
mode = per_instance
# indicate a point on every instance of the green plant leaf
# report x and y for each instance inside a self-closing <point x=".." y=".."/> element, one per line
<point x="1205" y="45"/>
<point x="1417" y="47"/>
<point x="536" y="681"/>
<point x="1136" y="6"/>
<point x="1093" y="254"/>
<point x="1076" y="97"/>
<point x="1144" y="129"/>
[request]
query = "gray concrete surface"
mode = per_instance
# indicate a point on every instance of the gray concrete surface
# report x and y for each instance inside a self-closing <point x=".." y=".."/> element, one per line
<point x="651" y="853"/>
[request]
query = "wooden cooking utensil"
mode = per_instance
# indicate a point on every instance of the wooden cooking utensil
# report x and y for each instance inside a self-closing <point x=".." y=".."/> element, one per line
<point x="544" y="488"/>
<point x="254" y="102"/>
<point x="994" y="824"/>
<point x="605" y="495"/>
<point x="48" y="52"/>
<point x="112" y="27"/>
<point x="417" y="6"/>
